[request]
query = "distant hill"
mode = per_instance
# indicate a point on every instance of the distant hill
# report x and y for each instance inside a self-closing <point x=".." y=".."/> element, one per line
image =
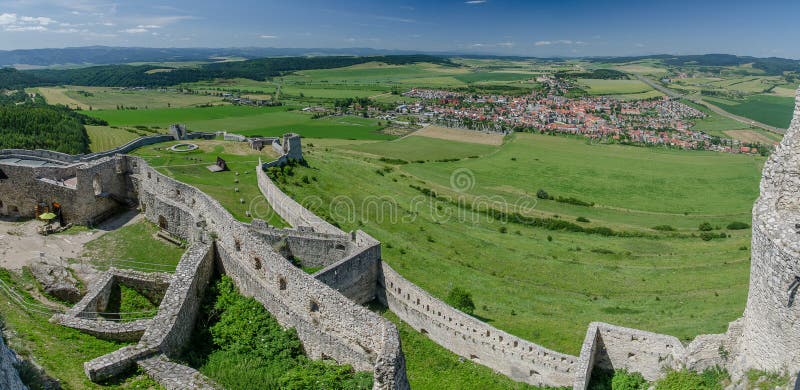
<point x="770" y="65"/>
<point x="140" y="76"/>
<point x="105" y="55"/>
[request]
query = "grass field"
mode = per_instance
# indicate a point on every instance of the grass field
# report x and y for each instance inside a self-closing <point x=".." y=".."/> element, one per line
<point x="547" y="285"/>
<point x="273" y="121"/>
<point x="220" y="185"/>
<point x="714" y="124"/>
<point x="771" y="110"/>
<point x="133" y="246"/>
<point x="416" y="148"/>
<point x="102" y="98"/>
<point x="104" y="137"/>
<point x="614" y="87"/>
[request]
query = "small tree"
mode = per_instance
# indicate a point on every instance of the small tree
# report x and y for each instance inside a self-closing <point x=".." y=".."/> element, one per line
<point x="461" y="300"/>
<point x="542" y="194"/>
<point x="705" y="227"/>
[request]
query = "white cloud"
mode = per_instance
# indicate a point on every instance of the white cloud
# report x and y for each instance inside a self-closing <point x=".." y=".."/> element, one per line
<point x="37" y="20"/>
<point x="17" y="23"/>
<point x="268" y="36"/>
<point x="7" y="19"/>
<point x="148" y="26"/>
<point x="559" y="42"/>
<point x="475" y="2"/>
<point x="134" y="30"/>
<point x="16" y="28"/>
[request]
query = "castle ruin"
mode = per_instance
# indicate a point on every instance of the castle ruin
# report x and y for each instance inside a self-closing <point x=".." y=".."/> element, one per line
<point x="326" y="307"/>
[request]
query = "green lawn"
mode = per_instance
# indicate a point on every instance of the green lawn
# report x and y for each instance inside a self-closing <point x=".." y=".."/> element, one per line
<point x="272" y="121"/>
<point x="220" y="185"/>
<point x="547" y="285"/>
<point x="415" y="148"/>
<point x="133" y="246"/>
<point x="771" y="110"/>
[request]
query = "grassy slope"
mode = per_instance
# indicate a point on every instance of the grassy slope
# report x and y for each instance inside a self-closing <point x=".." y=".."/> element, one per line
<point x="248" y="121"/>
<point x="219" y="185"/>
<point x="424" y="148"/>
<point x="548" y="291"/>
<point x="104" y="138"/>
<point x="614" y="87"/>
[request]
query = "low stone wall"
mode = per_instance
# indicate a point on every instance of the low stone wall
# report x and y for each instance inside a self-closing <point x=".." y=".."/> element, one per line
<point x="311" y="249"/>
<point x="134" y="144"/>
<point x="174" y="376"/>
<point x="466" y="336"/>
<point x="611" y="347"/>
<point x="356" y="275"/>
<point x="106" y="330"/>
<point x="174" y="323"/>
<point x="291" y="211"/>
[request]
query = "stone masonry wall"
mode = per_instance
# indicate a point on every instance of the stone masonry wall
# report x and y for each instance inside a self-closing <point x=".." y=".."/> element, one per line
<point x="328" y="324"/>
<point x="771" y="325"/>
<point x="356" y="275"/>
<point x="291" y="211"/>
<point x="478" y="341"/>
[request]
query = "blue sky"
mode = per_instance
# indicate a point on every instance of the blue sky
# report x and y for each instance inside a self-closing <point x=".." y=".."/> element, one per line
<point x="531" y="28"/>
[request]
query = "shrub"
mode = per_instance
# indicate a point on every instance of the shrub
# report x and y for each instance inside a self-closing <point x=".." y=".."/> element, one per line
<point x="707" y="236"/>
<point x="582" y="219"/>
<point x="710" y="379"/>
<point x="624" y="380"/>
<point x="549" y="238"/>
<point x="461" y="300"/>
<point x="503" y="229"/>
<point x="738" y="226"/>
<point x="542" y="194"/>
<point x="664" y="228"/>
<point x="705" y="227"/>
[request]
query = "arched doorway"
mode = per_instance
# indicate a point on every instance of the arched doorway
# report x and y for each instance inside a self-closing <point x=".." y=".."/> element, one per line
<point x="162" y="222"/>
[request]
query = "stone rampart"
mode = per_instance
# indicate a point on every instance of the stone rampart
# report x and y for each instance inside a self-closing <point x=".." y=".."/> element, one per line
<point x="355" y="276"/>
<point x="291" y="211"/>
<point x="478" y="341"/>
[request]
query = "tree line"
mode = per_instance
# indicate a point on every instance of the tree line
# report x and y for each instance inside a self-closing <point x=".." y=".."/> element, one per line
<point x="138" y="76"/>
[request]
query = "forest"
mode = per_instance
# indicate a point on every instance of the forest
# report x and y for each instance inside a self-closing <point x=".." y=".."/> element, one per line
<point x="138" y="76"/>
<point x="34" y="125"/>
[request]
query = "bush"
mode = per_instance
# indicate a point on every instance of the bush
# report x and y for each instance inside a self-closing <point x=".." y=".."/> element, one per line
<point x="710" y="379"/>
<point x="738" y="226"/>
<point x="705" y="227"/>
<point x="624" y="380"/>
<point x="582" y="219"/>
<point x="503" y="229"/>
<point x="461" y="300"/>
<point x="542" y="194"/>
<point x="664" y="228"/>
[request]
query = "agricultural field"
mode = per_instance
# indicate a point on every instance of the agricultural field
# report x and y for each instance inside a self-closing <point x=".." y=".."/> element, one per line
<point x="102" y="98"/>
<point x="771" y="110"/>
<point x="269" y="121"/>
<point x="104" y="137"/>
<point x="544" y="283"/>
<point x="190" y="168"/>
<point x="614" y="87"/>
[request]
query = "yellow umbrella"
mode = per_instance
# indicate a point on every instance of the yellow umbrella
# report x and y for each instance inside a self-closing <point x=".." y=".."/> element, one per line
<point x="46" y="216"/>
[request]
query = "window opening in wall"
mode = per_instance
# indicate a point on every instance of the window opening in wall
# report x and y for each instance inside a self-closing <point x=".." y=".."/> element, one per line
<point x="257" y="262"/>
<point x="96" y="185"/>
<point x="162" y="222"/>
<point x="282" y="283"/>
<point x="313" y="307"/>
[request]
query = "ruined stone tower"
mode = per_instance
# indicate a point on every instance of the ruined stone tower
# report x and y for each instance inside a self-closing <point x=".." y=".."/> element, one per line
<point x="770" y="338"/>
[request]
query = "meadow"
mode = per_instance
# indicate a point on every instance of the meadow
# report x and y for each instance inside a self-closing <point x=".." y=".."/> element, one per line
<point x="190" y="168"/>
<point x="103" y="98"/>
<point x="249" y="121"/>
<point x="416" y="148"/>
<point x="104" y="137"/>
<point x="546" y="284"/>
<point x="614" y="87"/>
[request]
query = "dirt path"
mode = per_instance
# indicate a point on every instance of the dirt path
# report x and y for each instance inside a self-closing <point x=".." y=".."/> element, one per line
<point x="20" y="244"/>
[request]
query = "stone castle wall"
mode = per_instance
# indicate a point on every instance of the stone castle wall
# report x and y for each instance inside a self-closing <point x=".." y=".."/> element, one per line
<point x="473" y="339"/>
<point x="328" y="324"/>
<point x="291" y="211"/>
<point x="355" y="276"/>
<point x="771" y="325"/>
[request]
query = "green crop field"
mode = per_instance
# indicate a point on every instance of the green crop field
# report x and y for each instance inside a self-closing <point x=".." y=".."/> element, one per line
<point x="221" y="186"/>
<point x="543" y="284"/>
<point x="272" y="121"/>
<point x="613" y="87"/>
<point x="771" y="110"/>
<point x="102" y="98"/>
